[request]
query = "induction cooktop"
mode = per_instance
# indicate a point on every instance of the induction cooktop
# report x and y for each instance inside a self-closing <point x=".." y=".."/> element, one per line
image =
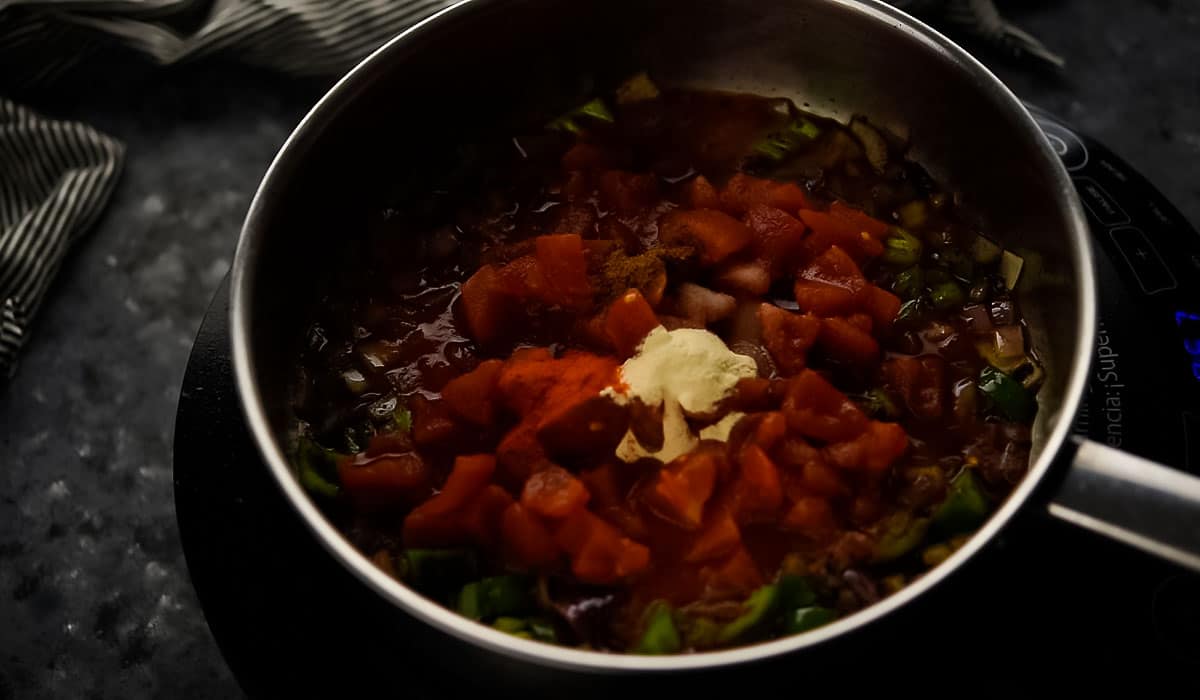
<point x="1046" y="608"/>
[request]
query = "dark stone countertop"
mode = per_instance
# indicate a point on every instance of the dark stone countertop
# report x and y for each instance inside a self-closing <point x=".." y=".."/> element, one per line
<point x="95" y="596"/>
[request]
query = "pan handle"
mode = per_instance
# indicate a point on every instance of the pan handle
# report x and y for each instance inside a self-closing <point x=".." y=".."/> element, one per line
<point x="1132" y="500"/>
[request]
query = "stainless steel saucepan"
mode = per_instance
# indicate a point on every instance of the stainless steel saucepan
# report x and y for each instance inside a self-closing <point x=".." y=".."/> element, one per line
<point x="487" y="62"/>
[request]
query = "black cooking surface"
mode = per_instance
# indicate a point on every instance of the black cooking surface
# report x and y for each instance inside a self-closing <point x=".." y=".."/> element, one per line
<point x="1045" y="608"/>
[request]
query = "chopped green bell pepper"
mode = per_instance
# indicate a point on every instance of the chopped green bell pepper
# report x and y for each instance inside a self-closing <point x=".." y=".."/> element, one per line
<point x="965" y="507"/>
<point x="470" y="601"/>
<point x="495" y="596"/>
<point x="947" y="295"/>
<point x="660" y="635"/>
<point x="526" y="628"/>
<point x="910" y="310"/>
<point x="570" y="122"/>
<point x="808" y="618"/>
<point x="901" y="534"/>
<point x="402" y="420"/>
<point x="913" y="214"/>
<point x="430" y="569"/>
<point x="511" y="625"/>
<point x="700" y="632"/>
<point x="542" y="630"/>
<point x="1008" y="395"/>
<point x="760" y="607"/>
<point x="909" y="283"/>
<point x="877" y="404"/>
<point x="317" y="468"/>
<point x="901" y="248"/>
<point x="781" y="144"/>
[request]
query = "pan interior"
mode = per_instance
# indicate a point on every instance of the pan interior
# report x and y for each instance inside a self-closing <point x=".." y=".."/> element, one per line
<point x="487" y="65"/>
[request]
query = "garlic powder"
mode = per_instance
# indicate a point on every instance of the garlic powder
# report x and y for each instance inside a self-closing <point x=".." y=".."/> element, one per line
<point x="687" y="371"/>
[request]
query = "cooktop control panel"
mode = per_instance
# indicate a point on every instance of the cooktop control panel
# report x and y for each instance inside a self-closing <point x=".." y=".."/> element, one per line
<point x="1144" y="394"/>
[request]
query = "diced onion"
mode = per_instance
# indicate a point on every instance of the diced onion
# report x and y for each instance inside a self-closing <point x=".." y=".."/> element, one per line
<point x="1009" y="341"/>
<point x="1010" y="268"/>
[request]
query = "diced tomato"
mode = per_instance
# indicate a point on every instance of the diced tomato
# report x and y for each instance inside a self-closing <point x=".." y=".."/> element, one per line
<point x="473" y="395"/>
<point x="719" y="537"/>
<point x="794" y="452"/>
<point x="750" y="394"/>
<point x="527" y="543"/>
<point x="627" y="193"/>
<point x="604" y="560"/>
<point x="758" y="493"/>
<point x="481" y="517"/>
<point x="862" y="322"/>
<point x="485" y="307"/>
<point x="821" y="479"/>
<point x="770" y="430"/>
<point x="604" y="484"/>
<point x="534" y="381"/>
<point x="859" y="219"/>
<point x="834" y="267"/>
<point x="592" y="333"/>
<point x="829" y="230"/>
<point x="823" y="299"/>
<point x="743" y="191"/>
<point x="778" y="237"/>
<point x="520" y="453"/>
<point x="433" y="425"/>
<point x="522" y="279"/>
<point x="830" y="284"/>
<point x="699" y="193"/>
<point x="683" y="487"/>
<point x="384" y="481"/>
<point x="526" y="378"/>
<point x="599" y="553"/>
<point x="920" y="382"/>
<point x="735" y="577"/>
<point x="554" y="493"/>
<point x="552" y="395"/>
<point x="716" y="234"/>
<point x="444" y="530"/>
<point x="882" y="305"/>
<point x="810" y="516"/>
<point x="593" y="425"/>
<point x="585" y="156"/>
<point x="396" y="442"/>
<point x="875" y="450"/>
<point x="471" y="473"/>
<point x="628" y="321"/>
<point x="561" y="259"/>
<point x="815" y="408"/>
<point x="787" y="336"/>
<point x="436" y="521"/>
<point x="844" y="341"/>
<point x="573" y="532"/>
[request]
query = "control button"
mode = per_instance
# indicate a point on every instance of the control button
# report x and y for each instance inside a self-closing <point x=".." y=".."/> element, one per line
<point x="1066" y="144"/>
<point x="1100" y="203"/>
<point x="1112" y="169"/>
<point x="1143" y="259"/>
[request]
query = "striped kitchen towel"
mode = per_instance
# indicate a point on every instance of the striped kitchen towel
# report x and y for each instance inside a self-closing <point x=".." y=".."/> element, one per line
<point x="56" y="176"/>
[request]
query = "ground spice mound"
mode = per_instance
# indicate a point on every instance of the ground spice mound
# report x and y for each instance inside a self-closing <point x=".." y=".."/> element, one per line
<point x="643" y="271"/>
